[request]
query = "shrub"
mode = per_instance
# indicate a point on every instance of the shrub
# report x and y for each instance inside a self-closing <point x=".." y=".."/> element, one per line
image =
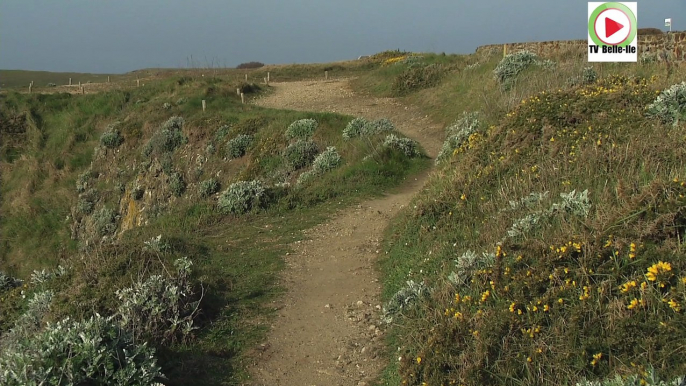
<point x="458" y="134"/>
<point x="181" y="101"/>
<point x="160" y="308"/>
<point x="241" y="197"/>
<point x="82" y="180"/>
<point x="95" y="351"/>
<point x="156" y="244"/>
<point x="408" y="146"/>
<point x="208" y="187"/>
<point x="221" y="133"/>
<point x="167" y="106"/>
<point x="406" y="297"/>
<point x="512" y="65"/>
<point x="43" y="276"/>
<point x="301" y="129"/>
<point x="236" y="147"/>
<point x="380" y="126"/>
<point x="177" y="184"/>
<point x="105" y="221"/>
<point x="418" y="77"/>
<point x="300" y="154"/>
<point x="670" y="105"/>
<point x="355" y="128"/>
<point x="304" y="177"/>
<point x="167" y="138"/>
<point x="328" y="160"/>
<point x="7" y="282"/>
<point x="85" y="206"/>
<point x="589" y="75"/>
<point x="111" y="138"/>
<point x="249" y="65"/>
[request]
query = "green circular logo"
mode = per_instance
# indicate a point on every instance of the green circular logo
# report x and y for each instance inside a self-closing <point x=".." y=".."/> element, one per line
<point x="604" y="7"/>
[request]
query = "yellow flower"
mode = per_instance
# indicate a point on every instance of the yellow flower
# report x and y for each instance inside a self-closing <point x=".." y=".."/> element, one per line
<point x="596" y="359"/>
<point x="528" y="359"/>
<point x="463" y="197"/>
<point x="632" y="247"/>
<point x="626" y="287"/>
<point x="419" y="360"/>
<point x="633" y="304"/>
<point x="560" y="300"/>
<point x="546" y="308"/>
<point x="674" y="305"/>
<point x="457" y="298"/>
<point x="683" y="280"/>
<point x="656" y="269"/>
<point x="512" y="307"/>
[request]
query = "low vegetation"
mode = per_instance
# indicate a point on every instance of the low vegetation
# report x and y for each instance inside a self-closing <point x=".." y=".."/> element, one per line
<point x="545" y="248"/>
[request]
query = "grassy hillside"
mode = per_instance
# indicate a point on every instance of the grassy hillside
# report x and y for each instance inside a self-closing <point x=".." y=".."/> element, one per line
<point x="40" y="79"/>
<point x="547" y="247"/>
<point x="89" y="182"/>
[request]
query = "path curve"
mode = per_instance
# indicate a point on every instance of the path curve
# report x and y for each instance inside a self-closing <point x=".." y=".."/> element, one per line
<point x="327" y="331"/>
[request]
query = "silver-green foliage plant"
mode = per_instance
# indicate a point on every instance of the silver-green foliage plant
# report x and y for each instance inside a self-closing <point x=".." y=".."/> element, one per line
<point x="670" y="105"/>
<point x="458" y="133"/>
<point x="328" y="160"/>
<point x="302" y="129"/>
<point x="7" y="282"/>
<point x="650" y="379"/>
<point x="45" y="275"/>
<point x="355" y="128"/>
<point x="407" y="146"/>
<point x="111" y="138"/>
<point x="466" y="264"/>
<point x="167" y="138"/>
<point x="30" y="321"/>
<point x="105" y="221"/>
<point x="512" y="65"/>
<point x="177" y="184"/>
<point x="573" y="202"/>
<point x="408" y="296"/>
<point x="360" y="127"/>
<point x="157" y="244"/>
<point x="161" y="308"/>
<point x="92" y="352"/>
<point x="208" y="187"/>
<point x="241" y="197"/>
<point x="301" y="153"/>
<point x="237" y="147"/>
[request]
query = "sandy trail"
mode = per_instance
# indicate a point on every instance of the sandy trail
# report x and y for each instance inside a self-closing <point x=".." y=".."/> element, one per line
<point x="328" y="331"/>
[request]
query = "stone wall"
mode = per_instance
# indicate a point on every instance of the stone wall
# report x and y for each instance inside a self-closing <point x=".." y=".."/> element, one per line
<point x="670" y="46"/>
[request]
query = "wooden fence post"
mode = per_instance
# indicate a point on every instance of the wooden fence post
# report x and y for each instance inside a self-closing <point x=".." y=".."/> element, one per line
<point x="504" y="50"/>
<point x="203" y="105"/>
<point x="79" y="83"/>
<point x="246" y="77"/>
<point x="108" y="79"/>
<point x="238" y="91"/>
<point x="326" y="75"/>
<point x="138" y="82"/>
<point x="30" y="86"/>
<point x="242" y="98"/>
<point x="70" y="81"/>
<point x="83" y="90"/>
<point x="267" y="77"/>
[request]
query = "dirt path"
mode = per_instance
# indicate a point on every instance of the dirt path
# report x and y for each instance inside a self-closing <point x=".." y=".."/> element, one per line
<point x="328" y="331"/>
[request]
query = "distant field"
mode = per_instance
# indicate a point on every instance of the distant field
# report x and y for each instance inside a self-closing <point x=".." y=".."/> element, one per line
<point x="22" y="78"/>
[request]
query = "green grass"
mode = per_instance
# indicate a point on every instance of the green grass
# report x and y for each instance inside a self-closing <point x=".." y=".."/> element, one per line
<point x="506" y="324"/>
<point x="22" y="78"/>
<point x="237" y="259"/>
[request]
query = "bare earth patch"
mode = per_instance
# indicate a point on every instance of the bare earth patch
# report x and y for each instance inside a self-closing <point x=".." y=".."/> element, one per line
<point x="328" y="330"/>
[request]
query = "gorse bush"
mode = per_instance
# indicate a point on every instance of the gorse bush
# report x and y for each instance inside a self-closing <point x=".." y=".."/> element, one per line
<point x="241" y="197"/>
<point x="161" y="308"/>
<point x="93" y="352"/>
<point x="208" y="187"/>
<point x="418" y="77"/>
<point x="111" y="138"/>
<point x="301" y="153"/>
<point x="458" y="134"/>
<point x="301" y="129"/>
<point x="407" y="146"/>
<point x="167" y="138"/>
<point x="670" y="105"/>
<point x="237" y="147"/>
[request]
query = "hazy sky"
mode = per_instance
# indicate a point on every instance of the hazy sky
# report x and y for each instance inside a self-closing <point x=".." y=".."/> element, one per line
<point x="123" y="35"/>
